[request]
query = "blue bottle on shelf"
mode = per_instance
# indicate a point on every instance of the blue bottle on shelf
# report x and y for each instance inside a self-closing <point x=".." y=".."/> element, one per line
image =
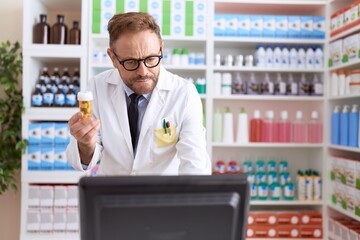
<point x="344" y="126"/>
<point x="335" y="126"/>
<point x="354" y="126"/>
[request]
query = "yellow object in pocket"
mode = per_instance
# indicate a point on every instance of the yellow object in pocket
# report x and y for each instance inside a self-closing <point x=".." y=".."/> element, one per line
<point x="163" y="139"/>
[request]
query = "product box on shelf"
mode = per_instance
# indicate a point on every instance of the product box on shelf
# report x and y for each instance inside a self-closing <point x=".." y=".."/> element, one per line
<point x="281" y="26"/>
<point x="256" y="25"/>
<point x="294" y="26"/>
<point x="231" y="27"/>
<point x="351" y="48"/>
<point x="306" y="26"/>
<point x="33" y="199"/>
<point x="337" y="20"/>
<point x="318" y="27"/>
<point x="34" y="133"/>
<point x="47" y="157"/>
<point x="269" y="26"/>
<point x="243" y="25"/>
<point x="47" y="133"/>
<point x="351" y="13"/>
<point x="59" y="220"/>
<point x="262" y="231"/>
<point x="311" y="232"/>
<point x="219" y="24"/>
<point x="34" y="157"/>
<point x="62" y="135"/>
<point x="335" y="53"/>
<point x="288" y="231"/>
<point x="46" y="220"/>
<point x="33" y="221"/>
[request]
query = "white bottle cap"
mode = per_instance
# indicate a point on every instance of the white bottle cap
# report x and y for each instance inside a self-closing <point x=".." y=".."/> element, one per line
<point x="299" y="115"/>
<point x="314" y="115"/>
<point x="270" y="114"/>
<point x="85" y="96"/>
<point x="284" y="115"/>
<point x="256" y="114"/>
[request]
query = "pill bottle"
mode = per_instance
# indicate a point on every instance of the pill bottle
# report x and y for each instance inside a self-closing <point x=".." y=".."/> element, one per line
<point x="85" y="103"/>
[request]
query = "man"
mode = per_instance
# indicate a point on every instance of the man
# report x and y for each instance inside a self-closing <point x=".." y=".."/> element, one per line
<point x="157" y="130"/>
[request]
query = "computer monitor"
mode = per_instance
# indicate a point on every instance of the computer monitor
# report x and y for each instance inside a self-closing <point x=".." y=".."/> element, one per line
<point x="164" y="207"/>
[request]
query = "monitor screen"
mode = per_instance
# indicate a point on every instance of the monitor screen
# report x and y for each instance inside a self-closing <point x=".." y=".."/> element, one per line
<point x="164" y="207"/>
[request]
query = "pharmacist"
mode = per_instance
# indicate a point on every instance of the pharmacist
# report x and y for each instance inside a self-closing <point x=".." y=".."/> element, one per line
<point x="146" y="120"/>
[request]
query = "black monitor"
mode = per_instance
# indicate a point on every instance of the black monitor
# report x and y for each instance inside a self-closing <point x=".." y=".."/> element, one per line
<point x="164" y="207"/>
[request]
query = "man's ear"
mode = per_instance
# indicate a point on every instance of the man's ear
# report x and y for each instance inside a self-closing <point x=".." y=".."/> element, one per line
<point x="112" y="57"/>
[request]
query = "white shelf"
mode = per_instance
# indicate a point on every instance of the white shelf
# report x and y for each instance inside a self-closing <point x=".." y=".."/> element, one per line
<point x="345" y="97"/>
<point x="350" y="149"/>
<point x="269" y="145"/>
<point x="280" y="2"/>
<point x="345" y="33"/>
<point x="262" y="69"/>
<point x="188" y="68"/>
<point x="50" y="236"/>
<point x="270" y="98"/>
<point x="63" y="176"/>
<point x="55" y="51"/>
<point x="342" y="211"/>
<point x="285" y="203"/>
<point x="50" y="113"/>
<point x="255" y="40"/>
<point x="349" y="65"/>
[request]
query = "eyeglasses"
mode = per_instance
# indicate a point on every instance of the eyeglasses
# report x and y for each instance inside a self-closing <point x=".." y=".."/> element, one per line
<point x="132" y="64"/>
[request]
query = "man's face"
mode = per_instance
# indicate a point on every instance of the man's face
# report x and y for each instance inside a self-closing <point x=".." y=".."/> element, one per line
<point x="137" y="46"/>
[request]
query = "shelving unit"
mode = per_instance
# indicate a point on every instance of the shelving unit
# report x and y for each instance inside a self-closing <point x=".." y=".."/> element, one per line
<point x="299" y="156"/>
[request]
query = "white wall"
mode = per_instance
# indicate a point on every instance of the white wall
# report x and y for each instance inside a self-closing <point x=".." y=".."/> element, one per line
<point x="10" y="29"/>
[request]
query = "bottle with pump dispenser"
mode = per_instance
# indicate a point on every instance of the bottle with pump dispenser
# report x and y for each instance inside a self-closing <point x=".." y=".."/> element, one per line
<point x="284" y="127"/>
<point x="41" y="31"/>
<point x="299" y="130"/>
<point x="344" y="125"/>
<point x="242" y="127"/>
<point x="315" y="129"/>
<point x="354" y="126"/>
<point x="334" y="84"/>
<point x="228" y="128"/>
<point x="335" y="126"/>
<point x="256" y="127"/>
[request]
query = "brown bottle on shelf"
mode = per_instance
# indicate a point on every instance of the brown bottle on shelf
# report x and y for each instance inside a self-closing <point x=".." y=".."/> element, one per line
<point x="41" y="31"/>
<point x="59" y="31"/>
<point x="75" y="33"/>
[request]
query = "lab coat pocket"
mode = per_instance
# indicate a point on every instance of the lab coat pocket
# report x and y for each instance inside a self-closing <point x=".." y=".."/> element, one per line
<point x="163" y="139"/>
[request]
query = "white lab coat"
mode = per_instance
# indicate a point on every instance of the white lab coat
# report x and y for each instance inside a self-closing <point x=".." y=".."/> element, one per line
<point x="174" y="99"/>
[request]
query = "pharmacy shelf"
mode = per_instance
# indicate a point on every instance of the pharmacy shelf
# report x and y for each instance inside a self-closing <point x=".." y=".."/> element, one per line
<point x="49" y="113"/>
<point x="278" y="2"/>
<point x="269" y="145"/>
<point x="344" y="97"/>
<point x="342" y="211"/>
<point x="348" y="66"/>
<point x="285" y="203"/>
<point x="349" y="149"/>
<point x="51" y="236"/>
<point x="55" y="51"/>
<point x="218" y="40"/>
<point x="345" y="33"/>
<point x="263" y="69"/>
<point x="270" y="98"/>
<point x="52" y="177"/>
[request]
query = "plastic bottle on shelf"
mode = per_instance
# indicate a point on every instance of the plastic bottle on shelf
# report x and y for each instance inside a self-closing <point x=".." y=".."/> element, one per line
<point x="310" y="58"/>
<point x="304" y="87"/>
<point x="184" y="57"/>
<point x="334" y="82"/>
<point x="55" y="77"/>
<point x="299" y="129"/>
<point x="226" y="80"/>
<point x="253" y="85"/>
<point x="175" y="57"/>
<point x="269" y="57"/>
<point x="41" y="31"/>
<point x="200" y="85"/>
<point x="166" y="60"/>
<point x="65" y="77"/>
<point x="284" y="127"/>
<point x="256" y="127"/>
<point x="316" y="86"/>
<point x="75" y="34"/>
<point x="70" y="98"/>
<point x="217" y="84"/>
<point x="59" y="31"/>
<point x="354" y="126"/>
<point x="37" y="97"/>
<point x="44" y="78"/>
<point x="277" y="57"/>
<point x="228" y="128"/>
<point x="75" y="78"/>
<point x="319" y="57"/>
<point x="243" y="127"/>
<point x="267" y="86"/>
<point x="285" y="57"/>
<point x="59" y="97"/>
<point x="260" y="56"/>
<point x="315" y="129"/>
<point x="342" y="79"/>
<point x="217" y="60"/>
<point x="238" y="86"/>
<point x="293" y="57"/>
<point x="344" y="125"/>
<point x="292" y="87"/>
<point x="218" y="126"/>
<point x="335" y="126"/>
<point x="48" y="97"/>
<point x="280" y="85"/>
<point x="301" y="58"/>
<point x="270" y="128"/>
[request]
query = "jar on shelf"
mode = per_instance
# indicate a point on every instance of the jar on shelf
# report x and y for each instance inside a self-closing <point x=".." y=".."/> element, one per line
<point x="59" y="31"/>
<point x="75" y="34"/>
<point x="41" y="31"/>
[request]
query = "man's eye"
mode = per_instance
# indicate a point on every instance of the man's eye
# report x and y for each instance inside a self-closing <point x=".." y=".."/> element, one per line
<point x="130" y="62"/>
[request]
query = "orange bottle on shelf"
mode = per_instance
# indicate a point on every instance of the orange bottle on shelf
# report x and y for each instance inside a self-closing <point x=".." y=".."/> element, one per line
<point x="256" y="128"/>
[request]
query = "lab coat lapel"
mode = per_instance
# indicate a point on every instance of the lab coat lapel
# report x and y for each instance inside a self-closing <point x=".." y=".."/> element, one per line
<point x="119" y="104"/>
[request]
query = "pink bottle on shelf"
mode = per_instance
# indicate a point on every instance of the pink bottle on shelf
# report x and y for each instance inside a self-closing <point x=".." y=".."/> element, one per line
<point x="284" y="126"/>
<point x="299" y="129"/>
<point x="315" y="129"/>
<point x="270" y="128"/>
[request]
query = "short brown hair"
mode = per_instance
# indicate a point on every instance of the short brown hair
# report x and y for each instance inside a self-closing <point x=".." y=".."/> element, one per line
<point x="131" y="22"/>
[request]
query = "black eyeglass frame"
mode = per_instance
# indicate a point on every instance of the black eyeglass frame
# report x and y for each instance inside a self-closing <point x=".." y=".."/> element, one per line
<point x="138" y="60"/>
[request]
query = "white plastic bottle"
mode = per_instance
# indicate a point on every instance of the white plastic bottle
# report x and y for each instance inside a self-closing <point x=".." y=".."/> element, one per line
<point x="304" y="86"/>
<point x="334" y="84"/>
<point x="228" y="128"/>
<point x="217" y="84"/>
<point x="175" y="58"/>
<point x="317" y="89"/>
<point x="347" y="83"/>
<point x="285" y="57"/>
<point x="310" y="58"/>
<point x="217" y="127"/>
<point x="293" y="57"/>
<point x="319" y="58"/>
<point x="292" y="87"/>
<point x="342" y="84"/>
<point x="277" y="57"/>
<point x="267" y="86"/>
<point x="301" y="57"/>
<point x="184" y="57"/>
<point x="260" y="56"/>
<point x="226" y="80"/>
<point x="243" y="127"/>
<point x="269" y="57"/>
<point x="280" y="85"/>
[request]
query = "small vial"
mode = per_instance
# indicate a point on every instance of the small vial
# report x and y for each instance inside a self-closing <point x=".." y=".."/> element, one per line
<point x="85" y="103"/>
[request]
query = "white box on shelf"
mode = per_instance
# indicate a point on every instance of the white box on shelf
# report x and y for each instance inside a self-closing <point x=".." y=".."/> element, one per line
<point x="351" y="14"/>
<point x="33" y="220"/>
<point x="60" y="159"/>
<point x="59" y="220"/>
<point x="351" y="47"/>
<point x="34" y="196"/>
<point x="72" y="220"/>
<point x="348" y="172"/>
<point x="243" y="25"/>
<point x="177" y="22"/>
<point x="132" y="6"/>
<point x="46" y="196"/>
<point x="336" y="52"/>
<point x="231" y="25"/>
<point x="72" y="196"/>
<point x="155" y="10"/>
<point x="60" y="196"/>
<point x="46" y="220"/>
<point x="104" y="20"/>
